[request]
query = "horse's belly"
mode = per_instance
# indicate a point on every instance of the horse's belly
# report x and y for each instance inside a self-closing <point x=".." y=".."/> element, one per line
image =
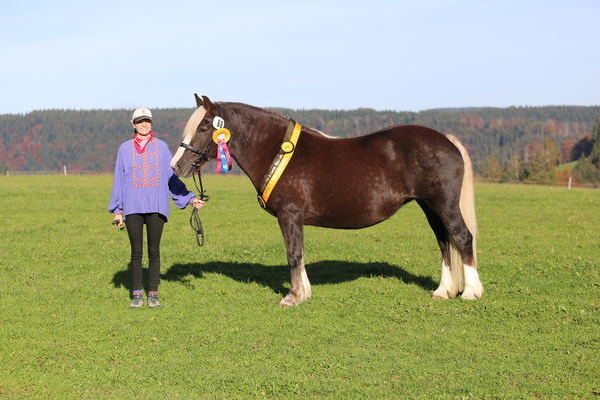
<point x="352" y="212"/>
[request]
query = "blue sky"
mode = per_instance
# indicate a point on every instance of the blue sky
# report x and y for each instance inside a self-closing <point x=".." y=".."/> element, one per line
<point x="393" y="55"/>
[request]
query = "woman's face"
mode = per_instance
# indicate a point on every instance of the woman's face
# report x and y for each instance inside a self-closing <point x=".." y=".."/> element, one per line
<point x="143" y="127"/>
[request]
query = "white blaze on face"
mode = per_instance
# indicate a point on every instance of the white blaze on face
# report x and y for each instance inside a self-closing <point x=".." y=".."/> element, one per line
<point x="188" y="133"/>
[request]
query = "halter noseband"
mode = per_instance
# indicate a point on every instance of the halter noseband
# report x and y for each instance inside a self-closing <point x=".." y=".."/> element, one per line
<point x="203" y="154"/>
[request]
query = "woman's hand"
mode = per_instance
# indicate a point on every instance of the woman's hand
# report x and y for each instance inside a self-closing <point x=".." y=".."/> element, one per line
<point x="196" y="202"/>
<point x="118" y="220"/>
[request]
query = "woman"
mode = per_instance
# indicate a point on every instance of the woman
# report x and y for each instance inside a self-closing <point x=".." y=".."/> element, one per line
<point x="140" y="196"/>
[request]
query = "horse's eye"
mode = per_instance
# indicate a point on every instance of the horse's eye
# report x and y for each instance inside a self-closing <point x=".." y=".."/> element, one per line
<point x="205" y="124"/>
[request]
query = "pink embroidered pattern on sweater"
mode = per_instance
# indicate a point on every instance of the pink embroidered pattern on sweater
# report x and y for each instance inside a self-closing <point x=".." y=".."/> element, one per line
<point x="146" y="166"/>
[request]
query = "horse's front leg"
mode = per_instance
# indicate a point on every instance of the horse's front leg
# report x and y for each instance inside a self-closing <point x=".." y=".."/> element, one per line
<point x="291" y="226"/>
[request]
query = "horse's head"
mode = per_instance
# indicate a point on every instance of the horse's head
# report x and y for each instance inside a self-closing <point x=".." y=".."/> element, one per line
<point x="197" y="146"/>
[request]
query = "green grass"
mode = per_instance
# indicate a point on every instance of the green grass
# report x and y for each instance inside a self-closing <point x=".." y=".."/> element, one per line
<point x="569" y="165"/>
<point x="370" y="331"/>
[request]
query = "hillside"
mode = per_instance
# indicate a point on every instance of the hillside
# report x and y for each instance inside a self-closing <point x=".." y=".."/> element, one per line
<point x="88" y="139"/>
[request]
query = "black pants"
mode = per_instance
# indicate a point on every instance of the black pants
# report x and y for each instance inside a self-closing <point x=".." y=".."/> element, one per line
<point x="154" y="227"/>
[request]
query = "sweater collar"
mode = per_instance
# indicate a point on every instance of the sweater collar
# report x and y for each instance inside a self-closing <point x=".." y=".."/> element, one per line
<point x="141" y="143"/>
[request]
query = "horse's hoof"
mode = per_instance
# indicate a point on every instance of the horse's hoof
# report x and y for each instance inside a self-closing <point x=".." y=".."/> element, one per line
<point x="442" y="293"/>
<point x="291" y="301"/>
<point x="472" y="293"/>
<point x="287" y="302"/>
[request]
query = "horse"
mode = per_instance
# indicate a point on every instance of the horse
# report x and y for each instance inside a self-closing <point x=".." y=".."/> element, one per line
<point x="344" y="183"/>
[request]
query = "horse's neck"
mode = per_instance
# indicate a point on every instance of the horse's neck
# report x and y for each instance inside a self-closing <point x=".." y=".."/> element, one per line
<point x="256" y="136"/>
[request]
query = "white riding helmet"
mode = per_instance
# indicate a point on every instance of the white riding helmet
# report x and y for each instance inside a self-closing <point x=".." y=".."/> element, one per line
<point x="140" y="114"/>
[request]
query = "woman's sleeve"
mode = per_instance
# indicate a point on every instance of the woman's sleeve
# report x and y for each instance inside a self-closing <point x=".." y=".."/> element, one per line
<point x="115" y="204"/>
<point x="179" y="193"/>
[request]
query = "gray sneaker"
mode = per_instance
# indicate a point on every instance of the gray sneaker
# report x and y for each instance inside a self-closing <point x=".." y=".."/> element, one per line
<point x="153" y="301"/>
<point x="136" y="301"/>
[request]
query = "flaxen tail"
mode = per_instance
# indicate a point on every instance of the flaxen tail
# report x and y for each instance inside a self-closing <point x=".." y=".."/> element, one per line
<point x="467" y="209"/>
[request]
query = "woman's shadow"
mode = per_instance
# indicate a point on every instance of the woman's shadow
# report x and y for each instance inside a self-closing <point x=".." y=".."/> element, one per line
<point x="274" y="277"/>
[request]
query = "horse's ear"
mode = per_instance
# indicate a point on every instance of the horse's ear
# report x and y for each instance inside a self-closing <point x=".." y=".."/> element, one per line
<point x="198" y="100"/>
<point x="207" y="103"/>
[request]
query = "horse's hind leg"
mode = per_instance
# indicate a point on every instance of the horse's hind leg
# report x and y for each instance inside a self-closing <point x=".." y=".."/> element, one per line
<point x="459" y="266"/>
<point x="447" y="288"/>
<point x="473" y="289"/>
<point x="293" y="236"/>
<point x="462" y="251"/>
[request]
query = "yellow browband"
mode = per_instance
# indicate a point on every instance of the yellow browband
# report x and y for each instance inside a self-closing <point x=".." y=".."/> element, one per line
<point x="279" y="163"/>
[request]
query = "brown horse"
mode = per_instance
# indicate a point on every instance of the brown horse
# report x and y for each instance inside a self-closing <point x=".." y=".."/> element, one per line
<point x="346" y="183"/>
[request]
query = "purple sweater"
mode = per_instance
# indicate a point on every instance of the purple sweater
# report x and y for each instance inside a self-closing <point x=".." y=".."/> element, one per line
<point x="143" y="182"/>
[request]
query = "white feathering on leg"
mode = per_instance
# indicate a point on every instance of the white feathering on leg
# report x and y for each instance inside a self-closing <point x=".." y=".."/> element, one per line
<point x="473" y="287"/>
<point x="447" y="289"/>
<point x="306" y="289"/>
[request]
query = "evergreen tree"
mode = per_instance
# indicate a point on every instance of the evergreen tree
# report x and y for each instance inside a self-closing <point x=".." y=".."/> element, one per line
<point x="586" y="172"/>
<point x="588" y="168"/>
<point x="492" y="169"/>
<point x="547" y="156"/>
<point x="595" y="155"/>
<point x="514" y="168"/>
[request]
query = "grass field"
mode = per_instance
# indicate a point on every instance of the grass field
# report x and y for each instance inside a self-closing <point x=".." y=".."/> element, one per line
<point x="370" y="331"/>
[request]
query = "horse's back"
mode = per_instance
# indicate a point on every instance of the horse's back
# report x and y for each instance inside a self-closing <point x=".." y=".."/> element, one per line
<point x="405" y="151"/>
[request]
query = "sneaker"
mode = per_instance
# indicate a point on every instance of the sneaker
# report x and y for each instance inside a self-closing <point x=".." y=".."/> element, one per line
<point x="153" y="301"/>
<point x="136" y="301"/>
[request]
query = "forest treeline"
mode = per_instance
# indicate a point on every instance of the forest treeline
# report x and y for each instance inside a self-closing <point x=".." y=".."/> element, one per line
<point x="515" y="143"/>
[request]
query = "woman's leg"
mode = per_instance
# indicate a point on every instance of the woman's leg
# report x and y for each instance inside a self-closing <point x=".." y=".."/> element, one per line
<point x="135" y="226"/>
<point x="154" y="228"/>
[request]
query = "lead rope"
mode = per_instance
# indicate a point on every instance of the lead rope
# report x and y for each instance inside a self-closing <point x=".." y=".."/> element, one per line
<point x="195" y="222"/>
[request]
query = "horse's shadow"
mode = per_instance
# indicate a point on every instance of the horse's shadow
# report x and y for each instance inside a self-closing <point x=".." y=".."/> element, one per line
<point x="274" y="277"/>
